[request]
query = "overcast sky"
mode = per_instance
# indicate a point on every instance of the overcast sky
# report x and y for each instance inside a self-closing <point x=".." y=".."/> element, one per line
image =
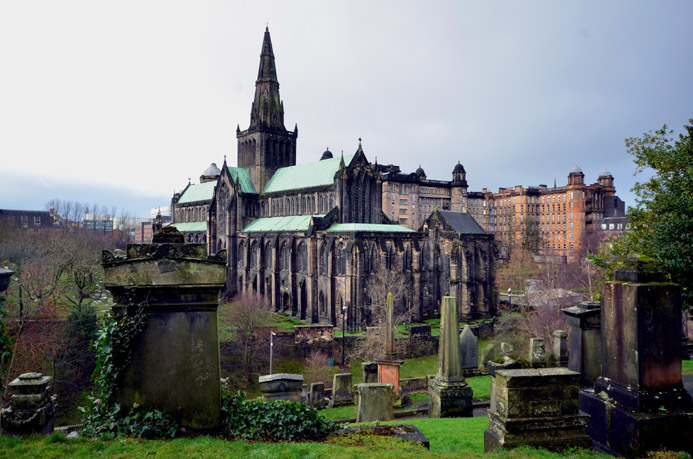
<point x="120" y="102"/>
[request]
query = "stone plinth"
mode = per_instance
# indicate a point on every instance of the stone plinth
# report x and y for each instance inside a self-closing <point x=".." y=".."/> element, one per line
<point x="175" y="359"/>
<point x="536" y="407"/>
<point x="317" y="395"/>
<point x="375" y="402"/>
<point x="388" y="372"/>
<point x="639" y="403"/>
<point x="370" y="372"/>
<point x="32" y="407"/>
<point x="585" y="346"/>
<point x="449" y="395"/>
<point x="341" y="390"/>
<point x="281" y="386"/>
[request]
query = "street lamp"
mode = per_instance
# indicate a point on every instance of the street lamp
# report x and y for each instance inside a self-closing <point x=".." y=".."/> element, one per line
<point x="21" y="303"/>
<point x="272" y="335"/>
<point x="510" y="298"/>
<point x="344" y="310"/>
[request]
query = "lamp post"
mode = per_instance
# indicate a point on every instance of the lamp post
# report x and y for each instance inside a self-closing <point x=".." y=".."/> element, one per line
<point x="510" y="298"/>
<point x="344" y="310"/>
<point x="272" y="335"/>
<point x="21" y="302"/>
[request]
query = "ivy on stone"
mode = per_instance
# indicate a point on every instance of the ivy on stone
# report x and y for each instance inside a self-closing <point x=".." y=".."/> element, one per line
<point x="104" y="416"/>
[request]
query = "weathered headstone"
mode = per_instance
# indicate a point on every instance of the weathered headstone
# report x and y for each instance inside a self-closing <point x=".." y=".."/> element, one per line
<point x="506" y="349"/>
<point x="469" y="353"/>
<point x="370" y="372"/>
<point x="341" y="390"/>
<point x="305" y="394"/>
<point x="639" y="403"/>
<point x="560" y="347"/>
<point x="174" y="365"/>
<point x="375" y="402"/>
<point x="32" y="407"/>
<point x="317" y="395"/>
<point x="281" y="386"/>
<point x="537" y="352"/>
<point x="388" y="368"/>
<point x="585" y="341"/>
<point x="488" y="354"/>
<point x="449" y="394"/>
<point x="536" y="407"/>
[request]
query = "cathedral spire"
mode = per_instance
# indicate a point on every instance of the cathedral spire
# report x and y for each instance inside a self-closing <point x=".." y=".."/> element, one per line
<point x="268" y="109"/>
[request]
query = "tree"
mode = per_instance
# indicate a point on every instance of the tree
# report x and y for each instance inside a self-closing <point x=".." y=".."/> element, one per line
<point x="248" y="313"/>
<point x="662" y="219"/>
<point x="380" y="283"/>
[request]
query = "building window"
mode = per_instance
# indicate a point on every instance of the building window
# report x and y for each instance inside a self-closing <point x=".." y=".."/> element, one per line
<point x="37" y="221"/>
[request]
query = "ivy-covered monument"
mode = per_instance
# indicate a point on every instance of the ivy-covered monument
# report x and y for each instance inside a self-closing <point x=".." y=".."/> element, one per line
<point x="310" y="236"/>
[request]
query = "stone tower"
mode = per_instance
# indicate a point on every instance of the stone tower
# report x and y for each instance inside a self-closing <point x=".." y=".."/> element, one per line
<point x="266" y="145"/>
<point x="458" y="202"/>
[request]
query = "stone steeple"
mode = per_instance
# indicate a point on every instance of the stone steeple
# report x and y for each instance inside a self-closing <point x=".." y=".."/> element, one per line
<point x="266" y="145"/>
<point x="268" y="109"/>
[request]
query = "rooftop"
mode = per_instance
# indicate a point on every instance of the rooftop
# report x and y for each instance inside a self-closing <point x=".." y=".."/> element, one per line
<point x="318" y="173"/>
<point x="291" y="223"/>
<point x="198" y="192"/>
<point x="367" y="228"/>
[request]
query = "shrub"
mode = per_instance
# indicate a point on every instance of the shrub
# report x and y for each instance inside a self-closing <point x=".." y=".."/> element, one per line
<point x="275" y="421"/>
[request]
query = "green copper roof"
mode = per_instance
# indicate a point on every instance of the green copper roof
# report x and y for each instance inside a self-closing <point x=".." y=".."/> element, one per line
<point x="197" y="192"/>
<point x="190" y="227"/>
<point x="243" y="177"/>
<point x="309" y="175"/>
<point x="293" y="223"/>
<point x="367" y="228"/>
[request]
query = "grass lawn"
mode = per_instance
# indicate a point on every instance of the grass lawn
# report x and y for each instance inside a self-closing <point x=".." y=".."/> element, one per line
<point x="452" y="437"/>
<point x="687" y="367"/>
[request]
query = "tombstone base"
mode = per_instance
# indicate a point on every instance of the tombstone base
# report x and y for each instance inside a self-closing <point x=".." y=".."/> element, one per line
<point x="449" y="398"/>
<point x="619" y="431"/>
<point x="554" y="433"/>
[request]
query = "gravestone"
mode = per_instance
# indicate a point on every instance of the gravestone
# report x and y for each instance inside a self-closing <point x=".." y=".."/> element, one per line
<point x="375" y="402"/>
<point x="32" y="407"/>
<point x="449" y="394"/>
<point x="560" y="347"/>
<point x="537" y="352"/>
<point x="487" y="354"/>
<point x="469" y="353"/>
<point x="341" y="390"/>
<point x="305" y="394"/>
<point x="388" y="368"/>
<point x="174" y="365"/>
<point x="370" y="372"/>
<point x="536" y="407"/>
<point x="281" y="386"/>
<point x="639" y="403"/>
<point x="585" y="341"/>
<point x="317" y="395"/>
<point x="506" y="350"/>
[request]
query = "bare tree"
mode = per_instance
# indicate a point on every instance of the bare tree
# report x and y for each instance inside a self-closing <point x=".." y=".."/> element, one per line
<point x="372" y="346"/>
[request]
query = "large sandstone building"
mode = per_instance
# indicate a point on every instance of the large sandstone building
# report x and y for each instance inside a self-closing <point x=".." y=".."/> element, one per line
<point x="311" y="236"/>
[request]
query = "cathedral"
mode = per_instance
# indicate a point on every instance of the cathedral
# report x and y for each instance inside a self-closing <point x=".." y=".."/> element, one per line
<point x="310" y="236"/>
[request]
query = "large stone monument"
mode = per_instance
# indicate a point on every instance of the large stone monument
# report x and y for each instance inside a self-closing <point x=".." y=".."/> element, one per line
<point x="585" y="341"/>
<point x="375" y="402"/>
<point x="639" y="403"/>
<point x="32" y="407"/>
<point x="174" y="365"/>
<point x="469" y="353"/>
<point x="388" y="368"/>
<point x="449" y="395"/>
<point x="536" y="407"/>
